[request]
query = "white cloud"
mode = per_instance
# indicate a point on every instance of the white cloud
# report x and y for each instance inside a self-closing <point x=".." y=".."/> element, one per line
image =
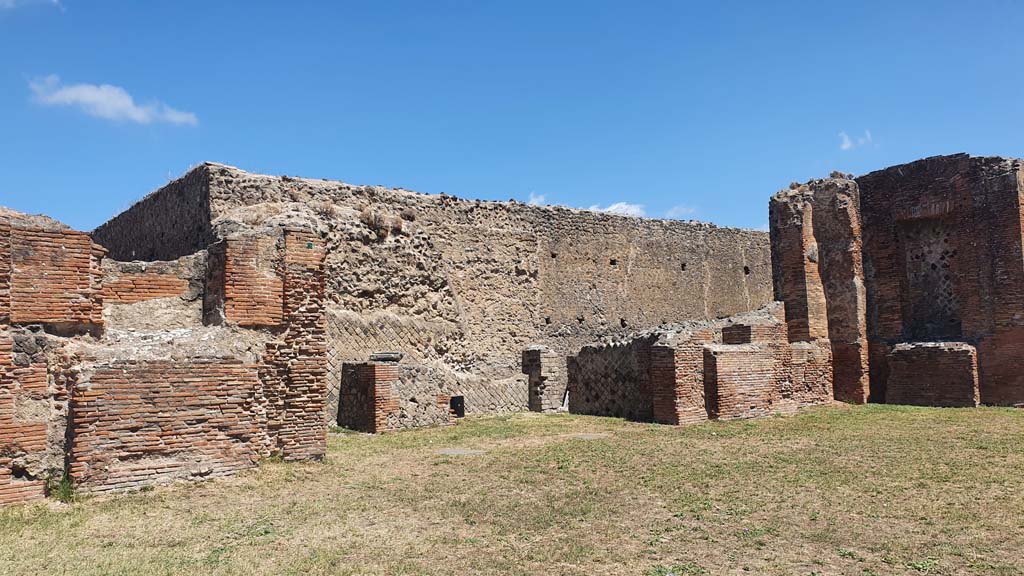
<point x="535" y="199"/>
<point x="679" y="211"/>
<point x="106" y="101"/>
<point x="624" y="208"/>
<point x="11" y="4"/>
<point x="847" y="143"/>
<point x="844" y="141"/>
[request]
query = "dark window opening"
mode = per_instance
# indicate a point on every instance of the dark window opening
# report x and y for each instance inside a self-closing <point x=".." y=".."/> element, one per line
<point x="613" y="262"/>
<point x="622" y="322"/>
<point x="746" y="270"/>
<point x="683" y="267"/>
<point x="547" y="319"/>
<point x="457" y="406"/>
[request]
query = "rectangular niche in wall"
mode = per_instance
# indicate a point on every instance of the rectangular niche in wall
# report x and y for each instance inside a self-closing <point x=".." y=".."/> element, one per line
<point x="457" y="405"/>
<point x="931" y="301"/>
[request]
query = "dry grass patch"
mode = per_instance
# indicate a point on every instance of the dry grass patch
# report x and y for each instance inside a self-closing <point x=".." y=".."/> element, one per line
<point x="865" y="490"/>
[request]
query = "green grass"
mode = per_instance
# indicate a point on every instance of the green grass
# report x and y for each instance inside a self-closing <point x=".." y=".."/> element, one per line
<point x="863" y="490"/>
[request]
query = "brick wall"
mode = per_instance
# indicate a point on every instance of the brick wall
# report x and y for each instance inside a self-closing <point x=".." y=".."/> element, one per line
<point x="677" y="378"/>
<point x="933" y="374"/>
<point x="295" y="366"/>
<point x="55" y="277"/>
<point x="5" y="273"/>
<point x="21" y="435"/>
<point x="727" y="369"/>
<point x="245" y="284"/>
<point x="138" y="423"/>
<point x="831" y="206"/>
<point x="795" y="263"/>
<point x="132" y="287"/>
<point x="546" y="377"/>
<point x="944" y="259"/>
<point x="740" y="380"/>
<point x="807" y="373"/>
<point x="48" y="277"/>
<point x="381" y="396"/>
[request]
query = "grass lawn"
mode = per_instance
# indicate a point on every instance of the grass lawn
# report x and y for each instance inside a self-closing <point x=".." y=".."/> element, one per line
<point x="837" y="490"/>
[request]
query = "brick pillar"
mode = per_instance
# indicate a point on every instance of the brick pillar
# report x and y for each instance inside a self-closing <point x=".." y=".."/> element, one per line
<point x="382" y="377"/>
<point x="294" y="370"/>
<point x="663" y="384"/>
<point x="795" y="263"/>
<point x="5" y="274"/>
<point x="548" y="379"/>
<point x="817" y="251"/>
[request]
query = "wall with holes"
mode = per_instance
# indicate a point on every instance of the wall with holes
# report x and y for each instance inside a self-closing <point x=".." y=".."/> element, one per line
<point x="463" y="284"/>
<point x="944" y="262"/>
<point x="906" y="269"/>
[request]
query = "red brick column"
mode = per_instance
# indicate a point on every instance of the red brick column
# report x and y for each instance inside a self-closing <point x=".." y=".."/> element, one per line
<point x="295" y="367"/>
<point x="795" y="259"/>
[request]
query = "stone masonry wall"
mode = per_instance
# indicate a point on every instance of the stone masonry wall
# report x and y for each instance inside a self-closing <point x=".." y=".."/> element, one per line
<point x="613" y="380"/>
<point x="49" y="279"/>
<point x="547" y="379"/>
<point x="484" y="280"/>
<point x="22" y="434"/>
<point x="154" y="295"/>
<point x="171" y="222"/>
<point x="742" y="367"/>
<point x="381" y="396"/>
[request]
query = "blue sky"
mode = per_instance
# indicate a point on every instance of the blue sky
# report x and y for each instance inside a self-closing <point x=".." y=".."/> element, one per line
<point x="692" y="110"/>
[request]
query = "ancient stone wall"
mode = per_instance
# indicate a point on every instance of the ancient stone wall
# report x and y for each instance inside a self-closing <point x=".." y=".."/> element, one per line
<point x="23" y="424"/>
<point x="481" y="281"/>
<point x="944" y="261"/>
<point x="383" y="396"/>
<point x="171" y="222"/>
<point x="295" y="365"/>
<point x="50" y="279"/>
<point x="108" y="367"/>
<point x="547" y="379"/>
<point x="742" y="367"/>
<point x="816" y="251"/>
<point x="154" y="295"/>
<point x="55" y="277"/>
<point x="613" y="380"/>
<point x="135" y="424"/>
<point x="933" y="374"/>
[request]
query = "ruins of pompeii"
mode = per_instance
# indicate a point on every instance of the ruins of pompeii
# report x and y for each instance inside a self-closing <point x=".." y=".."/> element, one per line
<point x="229" y="317"/>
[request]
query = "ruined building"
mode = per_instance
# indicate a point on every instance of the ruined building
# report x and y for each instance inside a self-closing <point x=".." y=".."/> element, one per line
<point x="915" y="274"/>
<point x="229" y="316"/>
